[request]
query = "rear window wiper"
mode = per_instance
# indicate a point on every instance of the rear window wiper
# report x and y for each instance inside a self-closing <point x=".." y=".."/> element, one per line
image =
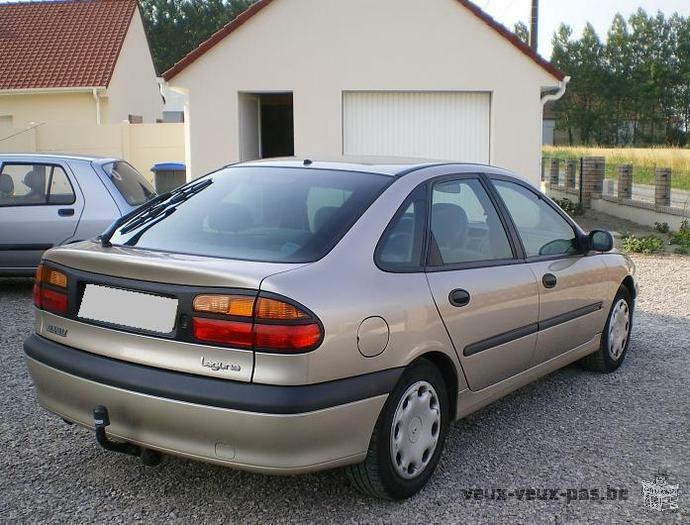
<point x="151" y="210"/>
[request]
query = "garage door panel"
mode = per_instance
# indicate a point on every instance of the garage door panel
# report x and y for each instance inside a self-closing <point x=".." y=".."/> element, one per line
<point x="437" y="125"/>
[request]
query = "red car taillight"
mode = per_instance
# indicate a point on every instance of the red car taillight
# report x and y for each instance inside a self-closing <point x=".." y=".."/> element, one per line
<point x="50" y="290"/>
<point x="264" y="324"/>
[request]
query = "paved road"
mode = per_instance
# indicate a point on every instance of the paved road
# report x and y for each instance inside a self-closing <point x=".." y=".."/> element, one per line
<point x="571" y="430"/>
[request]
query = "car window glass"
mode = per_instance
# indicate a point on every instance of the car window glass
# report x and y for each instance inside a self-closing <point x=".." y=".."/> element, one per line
<point x="31" y="184"/>
<point x="543" y="231"/>
<point x="465" y="224"/>
<point x="60" y="191"/>
<point x="402" y="243"/>
<point x="131" y="184"/>
<point x="261" y="214"/>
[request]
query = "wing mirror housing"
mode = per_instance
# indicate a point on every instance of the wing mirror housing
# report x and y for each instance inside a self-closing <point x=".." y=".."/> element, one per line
<point x="600" y="241"/>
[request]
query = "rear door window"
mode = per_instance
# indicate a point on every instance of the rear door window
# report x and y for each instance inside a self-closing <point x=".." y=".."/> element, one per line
<point x="131" y="184"/>
<point x="30" y="184"/>
<point x="261" y="214"/>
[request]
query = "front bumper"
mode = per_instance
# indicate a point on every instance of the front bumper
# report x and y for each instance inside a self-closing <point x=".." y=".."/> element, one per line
<point x="270" y="429"/>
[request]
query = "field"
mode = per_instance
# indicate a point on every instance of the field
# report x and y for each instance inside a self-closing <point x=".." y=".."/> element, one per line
<point x="644" y="160"/>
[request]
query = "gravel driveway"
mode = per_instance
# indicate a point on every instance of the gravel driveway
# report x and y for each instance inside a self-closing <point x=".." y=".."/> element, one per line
<point x="571" y="430"/>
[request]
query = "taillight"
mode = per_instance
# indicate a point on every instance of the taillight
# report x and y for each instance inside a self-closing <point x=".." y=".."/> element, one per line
<point x="50" y="290"/>
<point x="264" y="324"/>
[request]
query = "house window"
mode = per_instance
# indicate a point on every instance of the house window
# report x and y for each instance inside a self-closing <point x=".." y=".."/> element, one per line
<point x="5" y="121"/>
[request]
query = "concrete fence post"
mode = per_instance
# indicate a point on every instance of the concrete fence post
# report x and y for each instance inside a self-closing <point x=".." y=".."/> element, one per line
<point x="593" y="169"/>
<point x="625" y="181"/>
<point x="570" y="174"/>
<point x="662" y="188"/>
<point x="554" y="169"/>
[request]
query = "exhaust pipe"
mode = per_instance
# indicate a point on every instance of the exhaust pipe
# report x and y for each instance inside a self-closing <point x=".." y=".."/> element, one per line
<point x="101" y="420"/>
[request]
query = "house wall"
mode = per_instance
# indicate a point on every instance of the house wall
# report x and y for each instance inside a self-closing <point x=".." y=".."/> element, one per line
<point x="133" y="88"/>
<point x="142" y="145"/>
<point x="59" y="108"/>
<point x="319" y="48"/>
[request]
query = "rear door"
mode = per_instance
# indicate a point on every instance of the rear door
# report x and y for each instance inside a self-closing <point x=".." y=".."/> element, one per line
<point x="40" y="206"/>
<point x="488" y="299"/>
<point x="571" y="310"/>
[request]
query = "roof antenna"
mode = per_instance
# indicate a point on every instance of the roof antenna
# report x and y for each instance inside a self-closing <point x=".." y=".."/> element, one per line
<point x="307" y="162"/>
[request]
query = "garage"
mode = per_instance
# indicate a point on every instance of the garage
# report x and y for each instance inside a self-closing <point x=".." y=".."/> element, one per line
<point x="405" y="78"/>
<point x="431" y="125"/>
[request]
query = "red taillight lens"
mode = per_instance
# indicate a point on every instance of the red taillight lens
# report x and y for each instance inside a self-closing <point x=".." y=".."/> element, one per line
<point x="230" y="333"/>
<point x="55" y="302"/>
<point x="45" y="298"/>
<point x="292" y="337"/>
<point x="272" y="325"/>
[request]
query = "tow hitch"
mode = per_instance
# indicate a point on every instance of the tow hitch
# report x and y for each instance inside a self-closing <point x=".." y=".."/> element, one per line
<point x="101" y="420"/>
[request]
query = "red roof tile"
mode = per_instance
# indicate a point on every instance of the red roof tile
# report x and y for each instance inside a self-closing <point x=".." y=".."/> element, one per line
<point x="260" y="4"/>
<point x="61" y="43"/>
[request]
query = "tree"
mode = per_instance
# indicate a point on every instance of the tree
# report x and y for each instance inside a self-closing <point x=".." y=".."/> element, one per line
<point x="521" y="31"/>
<point x="175" y="27"/>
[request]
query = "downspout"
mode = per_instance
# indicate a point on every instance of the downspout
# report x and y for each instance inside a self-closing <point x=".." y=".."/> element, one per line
<point x="98" y="105"/>
<point x="551" y="97"/>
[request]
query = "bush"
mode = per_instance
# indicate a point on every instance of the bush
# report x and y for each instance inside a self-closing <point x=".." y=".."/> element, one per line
<point x="661" y="227"/>
<point x="569" y="207"/>
<point x="682" y="238"/>
<point x="647" y="244"/>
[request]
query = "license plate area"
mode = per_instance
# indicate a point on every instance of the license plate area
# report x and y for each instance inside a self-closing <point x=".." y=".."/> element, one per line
<point x="129" y="309"/>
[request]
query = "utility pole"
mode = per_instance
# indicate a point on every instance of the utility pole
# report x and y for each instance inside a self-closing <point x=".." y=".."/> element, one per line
<point x="534" y="26"/>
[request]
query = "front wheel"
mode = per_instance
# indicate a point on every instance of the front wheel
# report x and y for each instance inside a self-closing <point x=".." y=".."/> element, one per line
<point x="408" y="437"/>
<point x="616" y="337"/>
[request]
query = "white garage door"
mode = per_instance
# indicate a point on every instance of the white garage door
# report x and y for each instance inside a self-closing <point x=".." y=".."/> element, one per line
<point x="432" y="125"/>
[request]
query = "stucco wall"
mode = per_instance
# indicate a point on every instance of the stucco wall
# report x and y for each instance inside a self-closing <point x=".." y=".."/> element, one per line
<point x="59" y="108"/>
<point x="319" y="48"/>
<point x="142" y="145"/>
<point x="133" y="87"/>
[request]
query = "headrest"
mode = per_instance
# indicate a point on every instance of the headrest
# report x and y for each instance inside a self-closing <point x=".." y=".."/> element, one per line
<point x="35" y="180"/>
<point x="6" y="184"/>
<point x="323" y="216"/>
<point x="448" y="223"/>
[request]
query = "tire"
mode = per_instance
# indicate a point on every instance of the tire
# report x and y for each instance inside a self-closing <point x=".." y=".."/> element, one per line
<point x="613" y="348"/>
<point x="380" y="474"/>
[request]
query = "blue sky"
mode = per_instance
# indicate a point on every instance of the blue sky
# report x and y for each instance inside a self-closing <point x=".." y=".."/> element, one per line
<point x="575" y="13"/>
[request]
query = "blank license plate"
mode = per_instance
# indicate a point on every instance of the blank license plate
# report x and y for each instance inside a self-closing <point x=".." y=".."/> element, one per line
<point x="130" y="309"/>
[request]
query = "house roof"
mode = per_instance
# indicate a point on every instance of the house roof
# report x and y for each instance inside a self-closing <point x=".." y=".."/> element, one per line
<point x="224" y="31"/>
<point x="61" y="43"/>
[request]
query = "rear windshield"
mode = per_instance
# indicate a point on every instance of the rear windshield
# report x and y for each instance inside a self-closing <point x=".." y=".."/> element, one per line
<point x="131" y="184"/>
<point x="261" y="214"/>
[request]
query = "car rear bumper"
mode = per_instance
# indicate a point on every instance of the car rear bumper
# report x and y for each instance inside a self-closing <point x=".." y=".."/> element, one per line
<point x="270" y="429"/>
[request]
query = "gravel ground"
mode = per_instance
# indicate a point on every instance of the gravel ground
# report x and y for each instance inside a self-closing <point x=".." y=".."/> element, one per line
<point x="570" y="430"/>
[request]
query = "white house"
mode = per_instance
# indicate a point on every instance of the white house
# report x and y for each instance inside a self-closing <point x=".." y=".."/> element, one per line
<point x="75" y="62"/>
<point x="423" y="78"/>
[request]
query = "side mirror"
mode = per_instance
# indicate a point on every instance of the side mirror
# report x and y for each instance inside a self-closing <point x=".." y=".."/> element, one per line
<point x="600" y="241"/>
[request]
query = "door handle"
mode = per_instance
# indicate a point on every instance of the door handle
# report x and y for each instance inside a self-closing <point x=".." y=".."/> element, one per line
<point x="459" y="297"/>
<point x="549" y="280"/>
<point x="66" y="212"/>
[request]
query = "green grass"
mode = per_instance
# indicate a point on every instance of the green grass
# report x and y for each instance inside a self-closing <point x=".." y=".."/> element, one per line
<point x="644" y="161"/>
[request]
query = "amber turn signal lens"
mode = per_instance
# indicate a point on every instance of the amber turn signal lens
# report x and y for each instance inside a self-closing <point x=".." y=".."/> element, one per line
<point x="50" y="276"/>
<point x="239" y="305"/>
<point x="273" y="309"/>
<point x="55" y="278"/>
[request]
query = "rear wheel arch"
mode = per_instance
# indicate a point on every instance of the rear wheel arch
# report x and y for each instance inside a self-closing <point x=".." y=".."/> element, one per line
<point x="448" y="371"/>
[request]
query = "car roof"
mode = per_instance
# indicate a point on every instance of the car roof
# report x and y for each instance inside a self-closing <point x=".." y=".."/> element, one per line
<point x="50" y="156"/>
<point x="391" y="166"/>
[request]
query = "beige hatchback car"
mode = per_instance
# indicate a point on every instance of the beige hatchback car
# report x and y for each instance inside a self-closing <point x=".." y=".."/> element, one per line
<point x="290" y="316"/>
